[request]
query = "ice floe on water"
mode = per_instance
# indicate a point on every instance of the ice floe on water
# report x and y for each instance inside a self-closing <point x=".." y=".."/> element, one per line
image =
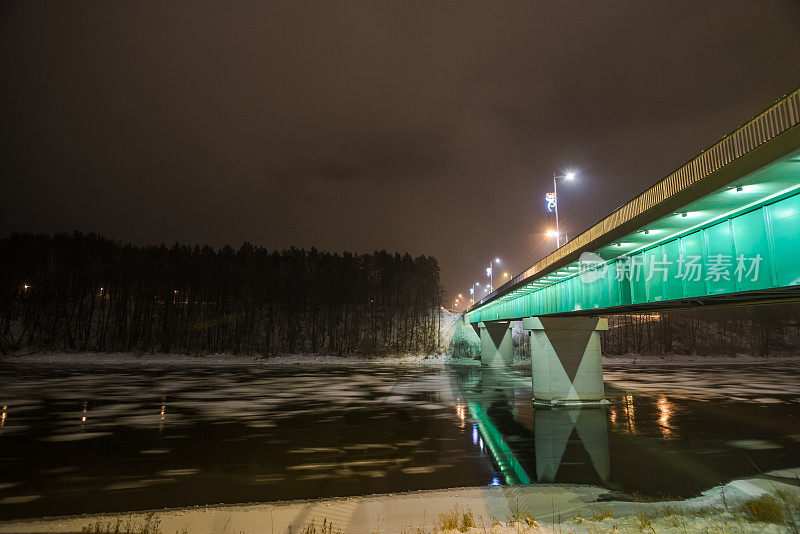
<point x="762" y="381"/>
<point x="178" y="472"/>
<point x="19" y="499"/>
<point x="76" y="436"/>
<point x="754" y="444"/>
<point x="154" y="451"/>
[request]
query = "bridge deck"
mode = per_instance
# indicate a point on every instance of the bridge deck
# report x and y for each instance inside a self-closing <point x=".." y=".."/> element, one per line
<point x="735" y="205"/>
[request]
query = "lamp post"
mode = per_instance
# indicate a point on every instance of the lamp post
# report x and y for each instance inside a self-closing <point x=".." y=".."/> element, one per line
<point x="490" y="273"/>
<point x="553" y="233"/>
<point x="568" y="176"/>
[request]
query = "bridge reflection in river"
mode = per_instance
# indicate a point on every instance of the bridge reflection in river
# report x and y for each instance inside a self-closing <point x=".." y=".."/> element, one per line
<point x="651" y="444"/>
<point x="565" y="439"/>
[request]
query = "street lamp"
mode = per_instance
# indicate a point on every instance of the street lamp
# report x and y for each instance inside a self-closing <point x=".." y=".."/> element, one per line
<point x="553" y="233"/>
<point x="490" y="273"/>
<point x="474" y="293"/>
<point x="568" y="176"/>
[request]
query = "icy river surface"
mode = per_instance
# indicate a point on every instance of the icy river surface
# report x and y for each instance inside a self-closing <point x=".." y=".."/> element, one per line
<point x="116" y="438"/>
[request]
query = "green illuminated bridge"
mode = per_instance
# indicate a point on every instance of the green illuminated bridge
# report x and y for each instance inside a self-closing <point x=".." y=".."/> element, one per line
<point x="723" y="228"/>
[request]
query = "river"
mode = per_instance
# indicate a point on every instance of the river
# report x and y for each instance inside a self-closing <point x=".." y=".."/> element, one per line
<point x="117" y="438"/>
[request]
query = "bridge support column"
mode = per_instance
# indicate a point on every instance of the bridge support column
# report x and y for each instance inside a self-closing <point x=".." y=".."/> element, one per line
<point x="496" y="344"/>
<point x="565" y="359"/>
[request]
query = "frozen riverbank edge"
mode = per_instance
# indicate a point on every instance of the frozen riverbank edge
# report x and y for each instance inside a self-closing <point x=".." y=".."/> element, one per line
<point x="538" y="508"/>
<point x="139" y="358"/>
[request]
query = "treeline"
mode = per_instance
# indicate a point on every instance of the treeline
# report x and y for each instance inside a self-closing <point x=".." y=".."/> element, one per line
<point x="88" y="293"/>
<point x="756" y="330"/>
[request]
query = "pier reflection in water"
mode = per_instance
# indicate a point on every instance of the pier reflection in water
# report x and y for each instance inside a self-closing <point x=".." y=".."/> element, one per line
<point x="568" y="443"/>
<point x="556" y="428"/>
<point x="114" y="439"/>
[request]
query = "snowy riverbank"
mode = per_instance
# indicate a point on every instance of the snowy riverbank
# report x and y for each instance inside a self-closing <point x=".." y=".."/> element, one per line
<point x="696" y="359"/>
<point x="213" y="360"/>
<point x="138" y="358"/>
<point x="755" y="505"/>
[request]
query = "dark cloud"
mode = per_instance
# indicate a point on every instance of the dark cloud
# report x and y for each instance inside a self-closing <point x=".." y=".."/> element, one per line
<point x="432" y="127"/>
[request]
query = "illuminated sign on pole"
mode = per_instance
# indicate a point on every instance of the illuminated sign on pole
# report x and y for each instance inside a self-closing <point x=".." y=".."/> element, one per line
<point x="550" y="198"/>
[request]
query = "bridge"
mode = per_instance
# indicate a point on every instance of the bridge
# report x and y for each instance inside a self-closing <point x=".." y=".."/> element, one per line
<point x="722" y="229"/>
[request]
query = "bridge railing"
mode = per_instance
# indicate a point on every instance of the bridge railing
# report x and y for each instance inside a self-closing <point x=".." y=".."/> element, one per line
<point x="776" y="119"/>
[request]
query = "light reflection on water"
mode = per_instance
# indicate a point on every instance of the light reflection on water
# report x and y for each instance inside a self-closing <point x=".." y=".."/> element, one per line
<point x="124" y="438"/>
<point x="664" y="412"/>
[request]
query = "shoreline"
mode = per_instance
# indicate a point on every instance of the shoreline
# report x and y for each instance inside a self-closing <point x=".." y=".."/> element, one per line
<point x="213" y="360"/>
<point x="227" y="359"/>
<point x="495" y="509"/>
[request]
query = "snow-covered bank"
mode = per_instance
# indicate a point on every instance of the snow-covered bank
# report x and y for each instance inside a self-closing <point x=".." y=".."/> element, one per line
<point x="750" y="505"/>
<point x="447" y="326"/>
<point x="133" y="358"/>
<point x="695" y="359"/>
<point x="139" y="358"/>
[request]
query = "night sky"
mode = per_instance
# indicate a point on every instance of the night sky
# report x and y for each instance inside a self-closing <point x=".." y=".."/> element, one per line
<point x="427" y="127"/>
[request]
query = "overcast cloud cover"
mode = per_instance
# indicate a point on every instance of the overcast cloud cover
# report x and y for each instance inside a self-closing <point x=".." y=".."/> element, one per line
<point x="432" y="127"/>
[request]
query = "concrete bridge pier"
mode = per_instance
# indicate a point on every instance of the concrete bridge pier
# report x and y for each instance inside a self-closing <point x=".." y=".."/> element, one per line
<point x="496" y="344"/>
<point x="565" y="359"/>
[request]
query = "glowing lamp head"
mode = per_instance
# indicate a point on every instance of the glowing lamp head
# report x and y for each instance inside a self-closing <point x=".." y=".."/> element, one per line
<point x="497" y="260"/>
<point x="570" y="175"/>
<point x="552" y="233"/>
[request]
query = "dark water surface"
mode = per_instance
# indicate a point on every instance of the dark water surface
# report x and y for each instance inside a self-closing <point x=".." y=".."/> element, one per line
<point x="114" y="439"/>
